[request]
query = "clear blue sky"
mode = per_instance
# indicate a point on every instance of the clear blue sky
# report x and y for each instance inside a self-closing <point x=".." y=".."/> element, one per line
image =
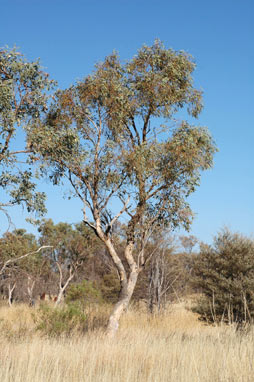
<point x="71" y="36"/>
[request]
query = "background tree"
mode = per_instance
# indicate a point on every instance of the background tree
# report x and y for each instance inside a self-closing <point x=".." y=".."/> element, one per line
<point x="165" y="273"/>
<point x="115" y="137"/>
<point x="20" y="262"/>
<point x="70" y="250"/>
<point x="188" y="242"/>
<point x="166" y="277"/>
<point x="24" y="90"/>
<point x="224" y="274"/>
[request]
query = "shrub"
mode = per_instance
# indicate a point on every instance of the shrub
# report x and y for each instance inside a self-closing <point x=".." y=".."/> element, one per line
<point x="224" y="274"/>
<point x="60" y="321"/>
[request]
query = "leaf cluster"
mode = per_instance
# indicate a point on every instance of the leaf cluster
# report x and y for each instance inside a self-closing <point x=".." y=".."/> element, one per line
<point x="24" y="95"/>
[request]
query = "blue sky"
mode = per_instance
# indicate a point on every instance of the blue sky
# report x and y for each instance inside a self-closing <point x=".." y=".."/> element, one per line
<point x="71" y="36"/>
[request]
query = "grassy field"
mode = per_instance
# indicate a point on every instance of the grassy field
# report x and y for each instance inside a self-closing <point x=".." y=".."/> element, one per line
<point x="174" y="346"/>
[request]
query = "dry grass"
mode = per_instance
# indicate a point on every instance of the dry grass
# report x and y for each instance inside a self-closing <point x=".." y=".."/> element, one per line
<point x="172" y="347"/>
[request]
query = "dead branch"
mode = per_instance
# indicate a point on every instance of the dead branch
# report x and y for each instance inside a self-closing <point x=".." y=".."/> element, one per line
<point x="22" y="257"/>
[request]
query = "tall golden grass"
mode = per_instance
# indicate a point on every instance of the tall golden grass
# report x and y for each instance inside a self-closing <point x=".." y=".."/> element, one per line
<point x="173" y="346"/>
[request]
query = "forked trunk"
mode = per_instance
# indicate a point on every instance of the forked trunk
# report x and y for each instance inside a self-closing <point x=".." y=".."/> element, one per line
<point x="63" y="286"/>
<point x="122" y="304"/>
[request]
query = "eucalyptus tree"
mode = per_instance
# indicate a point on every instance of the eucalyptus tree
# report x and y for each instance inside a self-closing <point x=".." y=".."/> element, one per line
<point x="117" y="136"/>
<point x="24" y="88"/>
<point x="68" y="252"/>
<point x="21" y="263"/>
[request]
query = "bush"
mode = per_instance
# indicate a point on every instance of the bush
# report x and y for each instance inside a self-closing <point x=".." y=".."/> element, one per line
<point x="83" y="294"/>
<point x="60" y="321"/>
<point x="224" y="274"/>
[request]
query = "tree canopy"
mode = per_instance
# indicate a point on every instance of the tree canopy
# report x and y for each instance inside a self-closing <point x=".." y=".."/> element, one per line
<point x="102" y="134"/>
<point x="24" y="93"/>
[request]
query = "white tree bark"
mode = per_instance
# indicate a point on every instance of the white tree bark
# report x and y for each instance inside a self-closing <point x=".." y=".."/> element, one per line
<point x="10" y="293"/>
<point x="122" y="304"/>
<point x="62" y="287"/>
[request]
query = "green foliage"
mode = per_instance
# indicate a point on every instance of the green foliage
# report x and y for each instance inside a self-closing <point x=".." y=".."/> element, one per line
<point x="60" y="321"/>
<point x="102" y="134"/>
<point x="71" y="246"/>
<point x="62" y="238"/>
<point x="24" y="88"/>
<point x="18" y="243"/>
<point x="20" y="263"/>
<point x="224" y="273"/>
<point x="83" y="293"/>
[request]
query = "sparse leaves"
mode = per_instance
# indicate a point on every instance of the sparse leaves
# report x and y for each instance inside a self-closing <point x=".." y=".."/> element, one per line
<point x="24" y="88"/>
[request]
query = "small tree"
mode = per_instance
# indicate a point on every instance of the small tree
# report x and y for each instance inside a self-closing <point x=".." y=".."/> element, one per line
<point x="23" y="101"/>
<point x="20" y="261"/>
<point x="224" y="273"/>
<point x="104" y="137"/>
<point x="68" y="254"/>
<point x="166" y="278"/>
<point x="188" y="243"/>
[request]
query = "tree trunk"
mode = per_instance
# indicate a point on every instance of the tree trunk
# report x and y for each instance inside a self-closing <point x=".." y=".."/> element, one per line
<point x="127" y="283"/>
<point x="122" y="304"/>
<point x="62" y="290"/>
<point x="62" y="286"/>
<point x="30" y="288"/>
<point x="10" y="293"/>
<point x="60" y="296"/>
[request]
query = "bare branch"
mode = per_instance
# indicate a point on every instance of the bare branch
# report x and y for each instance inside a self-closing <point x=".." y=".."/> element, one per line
<point x="10" y="223"/>
<point x="86" y="221"/>
<point x="146" y="125"/>
<point x="148" y="259"/>
<point x="127" y="208"/>
<point x="90" y="119"/>
<point x="130" y="135"/>
<point x="74" y="186"/>
<point x="20" y="152"/>
<point x="135" y="129"/>
<point x="22" y="257"/>
<point x="6" y="144"/>
<point x="109" y="226"/>
<point x="113" y="191"/>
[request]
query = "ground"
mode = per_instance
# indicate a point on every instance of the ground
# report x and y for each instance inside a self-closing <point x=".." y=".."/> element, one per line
<point x="174" y="346"/>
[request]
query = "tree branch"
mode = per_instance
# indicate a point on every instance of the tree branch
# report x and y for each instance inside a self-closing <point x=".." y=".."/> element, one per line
<point x="112" y="193"/>
<point x="22" y="257"/>
<point x="20" y="152"/>
<point x="135" y="129"/>
<point x="109" y="226"/>
<point x="146" y="125"/>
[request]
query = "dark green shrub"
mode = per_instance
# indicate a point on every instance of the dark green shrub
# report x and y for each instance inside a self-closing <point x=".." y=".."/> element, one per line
<point x="224" y="274"/>
<point x="61" y="321"/>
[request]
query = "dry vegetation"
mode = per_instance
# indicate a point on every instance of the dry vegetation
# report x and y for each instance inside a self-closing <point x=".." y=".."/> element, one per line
<point x="174" y="346"/>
